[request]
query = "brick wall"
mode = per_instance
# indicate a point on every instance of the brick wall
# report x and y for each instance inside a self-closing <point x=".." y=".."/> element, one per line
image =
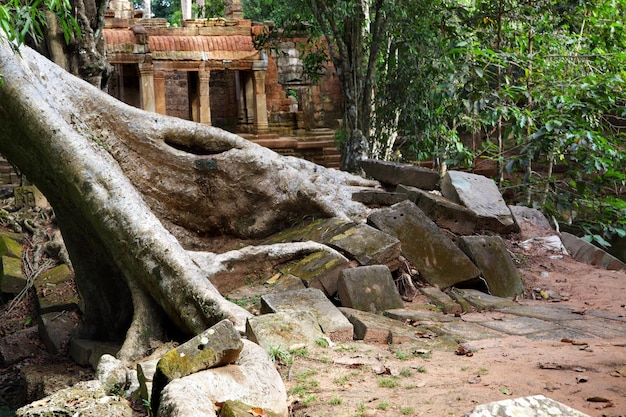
<point x="176" y="94"/>
<point x="223" y="96"/>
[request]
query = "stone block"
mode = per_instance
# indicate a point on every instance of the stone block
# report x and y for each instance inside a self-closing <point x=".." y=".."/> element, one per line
<point x="19" y="345"/>
<point x="284" y="329"/>
<point x="12" y="279"/>
<point x="217" y="346"/>
<point x="321" y="231"/>
<point x="378" y="197"/>
<point x="438" y="260"/>
<point x="319" y="270"/>
<point x="368" y="288"/>
<point x="498" y="270"/>
<point x="87" y="352"/>
<point x="288" y="282"/>
<point x="442" y="300"/>
<point x="56" y="329"/>
<point x="55" y="290"/>
<point x="531" y="222"/>
<point x="536" y="405"/>
<point x="480" y="195"/>
<point x="480" y="300"/>
<point x="445" y="213"/>
<point x="29" y="196"/>
<point x="367" y="245"/>
<point x="374" y="328"/>
<point x="584" y="251"/>
<point x="9" y="247"/>
<point x="330" y="319"/>
<point x="396" y="173"/>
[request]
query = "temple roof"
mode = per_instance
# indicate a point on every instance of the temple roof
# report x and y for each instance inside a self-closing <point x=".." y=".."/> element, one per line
<point x="182" y="43"/>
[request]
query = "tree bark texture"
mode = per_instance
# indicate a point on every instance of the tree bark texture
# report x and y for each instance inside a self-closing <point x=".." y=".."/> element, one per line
<point x="125" y="184"/>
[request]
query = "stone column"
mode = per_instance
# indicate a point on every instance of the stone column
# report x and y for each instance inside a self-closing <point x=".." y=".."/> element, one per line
<point x="186" y="9"/>
<point x="204" y="76"/>
<point x="159" y="92"/>
<point x="146" y="87"/>
<point x="260" y="99"/>
<point x="248" y="98"/>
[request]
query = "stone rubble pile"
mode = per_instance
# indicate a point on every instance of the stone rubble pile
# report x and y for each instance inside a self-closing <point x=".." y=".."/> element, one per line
<point x="445" y="232"/>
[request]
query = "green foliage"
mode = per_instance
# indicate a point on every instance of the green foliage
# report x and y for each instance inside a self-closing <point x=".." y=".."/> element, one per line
<point x="22" y="20"/>
<point x="211" y="9"/>
<point x="169" y="10"/>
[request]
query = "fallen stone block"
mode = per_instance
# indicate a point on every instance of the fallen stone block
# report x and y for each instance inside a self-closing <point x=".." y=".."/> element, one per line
<point x="94" y="402"/>
<point x="536" y="405"/>
<point x="86" y="352"/>
<point x="368" y="288"/>
<point x="480" y="195"/>
<point x="29" y="196"/>
<point x="498" y="270"/>
<point x="9" y="247"/>
<point x="288" y="282"/>
<point x="367" y="245"/>
<point x="442" y="300"/>
<point x="320" y="231"/>
<point x="480" y="300"/>
<point x="330" y="319"/>
<point x="378" y="197"/>
<point x="396" y="173"/>
<point x="219" y="345"/>
<point x="55" y="291"/>
<point x="241" y="409"/>
<point x="439" y="261"/>
<point x="284" y="329"/>
<point x="12" y="279"/>
<point x="374" y="328"/>
<point x="252" y="380"/>
<point x="56" y="329"/>
<point x="445" y="213"/>
<point x="531" y="222"/>
<point x="584" y="251"/>
<point x="19" y="345"/>
<point x="319" y="270"/>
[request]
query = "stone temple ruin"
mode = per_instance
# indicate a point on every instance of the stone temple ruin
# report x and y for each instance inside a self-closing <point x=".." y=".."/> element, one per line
<point x="209" y="71"/>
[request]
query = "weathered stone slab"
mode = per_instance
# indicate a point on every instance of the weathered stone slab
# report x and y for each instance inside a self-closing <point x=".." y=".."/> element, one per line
<point x="319" y="270"/>
<point x="442" y="300"/>
<point x="253" y="380"/>
<point x="217" y="346"/>
<point x="56" y="329"/>
<point x="480" y="195"/>
<point x="586" y="252"/>
<point x="446" y="213"/>
<point x="367" y="245"/>
<point x="241" y="409"/>
<point x="284" y="329"/>
<point x="396" y="173"/>
<point x="419" y="314"/>
<point x="55" y="290"/>
<point x="368" y="288"/>
<point x="333" y="323"/>
<point x="374" y="328"/>
<point x="606" y="329"/>
<point x="518" y="325"/>
<point x="29" y="196"/>
<point x="424" y="245"/>
<point x="378" y="197"/>
<point x="480" y="300"/>
<point x="531" y="222"/>
<point x="18" y="346"/>
<point x="86" y="352"/>
<point x="537" y="405"/>
<point x="9" y="247"/>
<point x="288" y="282"/>
<point x="541" y="310"/>
<point x="463" y="331"/>
<point x="498" y="270"/>
<point x="320" y="230"/>
<point x="12" y="279"/>
<point x="94" y="402"/>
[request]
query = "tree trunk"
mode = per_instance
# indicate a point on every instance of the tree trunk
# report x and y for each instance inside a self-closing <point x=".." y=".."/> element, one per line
<point x="125" y="184"/>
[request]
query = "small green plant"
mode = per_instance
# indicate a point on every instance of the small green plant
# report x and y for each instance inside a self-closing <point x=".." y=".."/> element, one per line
<point x="335" y="401"/>
<point x="464" y="368"/>
<point x="387" y="382"/>
<point x="341" y="380"/>
<point x="406" y="373"/>
<point x="300" y="352"/>
<point x="309" y="400"/>
<point x="424" y="354"/>
<point x="421" y="369"/>
<point x="280" y="356"/>
<point x="403" y="356"/>
<point x="321" y="342"/>
<point x="407" y="411"/>
<point x="383" y="405"/>
<point x="482" y="371"/>
<point x="148" y="406"/>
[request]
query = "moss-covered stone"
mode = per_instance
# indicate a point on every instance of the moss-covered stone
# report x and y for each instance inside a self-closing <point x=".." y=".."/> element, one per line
<point x="220" y="345"/>
<point x="55" y="290"/>
<point x="239" y="409"/>
<point x="9" y="247"/>
<point x="321" y="230"/>
<point x="12" y="279"/>
<point x="319" y="270"/>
